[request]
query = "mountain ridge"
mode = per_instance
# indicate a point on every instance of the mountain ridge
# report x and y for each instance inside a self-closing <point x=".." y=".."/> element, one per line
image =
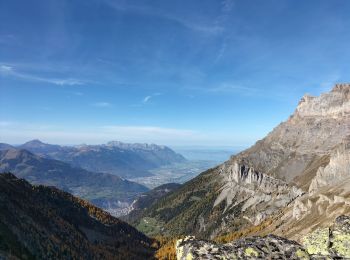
<point x="122" y="159"/>
<point x="99" y="188"/>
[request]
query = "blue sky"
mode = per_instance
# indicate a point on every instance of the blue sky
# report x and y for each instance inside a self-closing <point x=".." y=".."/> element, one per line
<point x="170" y="72"/>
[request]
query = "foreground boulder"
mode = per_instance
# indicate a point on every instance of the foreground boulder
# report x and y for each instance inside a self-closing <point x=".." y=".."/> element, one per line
<point x="326" y="243"/>
<point x="333" y="241"/>
<point x="269" y="247"/>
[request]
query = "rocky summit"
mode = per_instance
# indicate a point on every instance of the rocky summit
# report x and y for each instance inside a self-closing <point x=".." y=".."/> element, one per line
<point x="329" y="243"/>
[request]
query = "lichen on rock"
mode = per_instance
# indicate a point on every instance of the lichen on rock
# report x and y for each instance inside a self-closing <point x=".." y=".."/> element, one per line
<point x="323" y="243"/>
<point x="340" y="237"/>
<point x="317" y="242"/>
<point x="333" y="241"/>
<point x="269" y="247"/>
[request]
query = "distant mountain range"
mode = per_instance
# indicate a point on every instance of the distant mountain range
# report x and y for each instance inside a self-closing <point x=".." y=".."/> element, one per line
<point x="105" y="190"/>
<point x="122" y="159"/>
<point x="38" y="222"/>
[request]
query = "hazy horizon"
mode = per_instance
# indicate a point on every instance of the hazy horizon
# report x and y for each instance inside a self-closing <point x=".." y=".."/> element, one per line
<point x="175" y="147"/>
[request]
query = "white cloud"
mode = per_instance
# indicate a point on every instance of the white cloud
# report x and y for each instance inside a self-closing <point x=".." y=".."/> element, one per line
<point x="227" y="5"/>
<point x="147" y="131"/>
<point x="102" y="104"/>
<point x="10" y="71"/>
<point x="61" y="82"/>
<point x="146" y="99"/>
<point x="226" y="87"/>
<point x="5" y="68"/>
<point x="147" y="10"/>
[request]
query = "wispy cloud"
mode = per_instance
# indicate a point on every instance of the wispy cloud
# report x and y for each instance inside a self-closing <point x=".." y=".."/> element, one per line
<point x="210" y="28"/>
<point x="146" y="131"/>
<point x="227" y="5"/>
<point x="5" y="69"/>
<point x="102" y="104"/>
<point x="9" y="71"/>
<point x="226" y="87"/>
<point x="146" y="99"/>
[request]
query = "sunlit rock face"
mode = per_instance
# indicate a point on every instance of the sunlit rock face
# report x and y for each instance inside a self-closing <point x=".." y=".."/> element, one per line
<point x="337" y="170"/>
<point x="328" y="196"/>
<point x="334" y="104"/>
<point x="316" y="127"/>
<point x="255" y="190"/>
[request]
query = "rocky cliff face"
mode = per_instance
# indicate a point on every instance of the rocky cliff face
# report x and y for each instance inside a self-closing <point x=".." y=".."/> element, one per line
<point x="297" y="175"/>
<point x="253" y="190"/>
<point x="335" y="104"/>
<point x="328" y="197"/>
<point x="292" y="148"/>
<point x="336" y="170"/>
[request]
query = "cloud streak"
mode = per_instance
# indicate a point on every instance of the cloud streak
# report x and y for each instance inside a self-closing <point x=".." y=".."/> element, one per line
<point x="146" y="10"/>
<point x="146" y="99"/>
<point x="232" y="88"/>
<point x="102" y="104"/>
<point x="9" y="71"/>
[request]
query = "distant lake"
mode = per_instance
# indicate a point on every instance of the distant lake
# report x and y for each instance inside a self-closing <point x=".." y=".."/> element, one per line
<point x="217" y="154"/>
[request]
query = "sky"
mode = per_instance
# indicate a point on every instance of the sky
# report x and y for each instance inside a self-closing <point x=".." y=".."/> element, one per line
<point x="194" y="72"/>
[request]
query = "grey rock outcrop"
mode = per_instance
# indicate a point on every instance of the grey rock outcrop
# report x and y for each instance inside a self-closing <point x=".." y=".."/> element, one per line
<point x="293" y="148"/>
<point x="333" y="241"/>
<point x="328" y="197"/>
<point x="327" y="243"/>
<point x="254" y="190"/>
<point x="269" y="247"/>
<point x="337" y="170"/>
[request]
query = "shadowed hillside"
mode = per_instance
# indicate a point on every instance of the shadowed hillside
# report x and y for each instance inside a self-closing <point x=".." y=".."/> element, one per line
<point x="38" y="222"/>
